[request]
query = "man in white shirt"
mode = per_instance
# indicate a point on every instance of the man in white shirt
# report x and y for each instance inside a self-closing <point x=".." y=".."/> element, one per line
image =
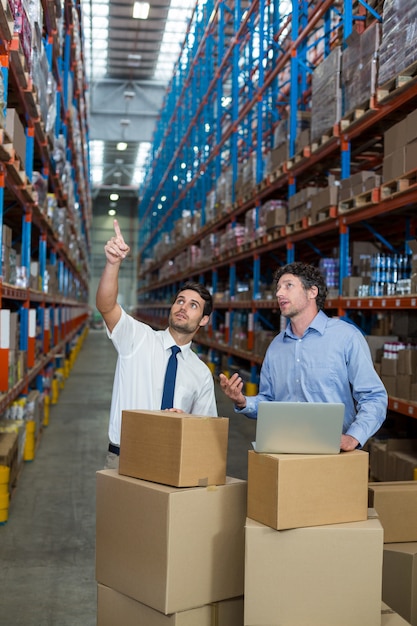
<point x="143" y="353"/>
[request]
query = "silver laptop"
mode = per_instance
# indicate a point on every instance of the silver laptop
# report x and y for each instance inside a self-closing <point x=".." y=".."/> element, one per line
<point x="299" y="427"/>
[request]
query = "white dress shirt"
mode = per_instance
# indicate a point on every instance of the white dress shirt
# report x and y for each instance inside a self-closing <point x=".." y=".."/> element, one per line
<point x="143" y="355"/>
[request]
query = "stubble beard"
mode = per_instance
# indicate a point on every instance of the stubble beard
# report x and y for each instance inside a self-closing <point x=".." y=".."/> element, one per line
<point x="185" y="327"/>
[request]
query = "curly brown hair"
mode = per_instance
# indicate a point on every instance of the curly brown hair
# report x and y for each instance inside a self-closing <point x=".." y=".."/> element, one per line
<point x="309" y="275"/>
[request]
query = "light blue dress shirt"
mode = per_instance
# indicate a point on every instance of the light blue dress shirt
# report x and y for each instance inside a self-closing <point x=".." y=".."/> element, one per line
<point x="331" y="362"/>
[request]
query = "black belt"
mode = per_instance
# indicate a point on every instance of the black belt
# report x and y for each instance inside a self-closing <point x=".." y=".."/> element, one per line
<point x="114" y="449"/>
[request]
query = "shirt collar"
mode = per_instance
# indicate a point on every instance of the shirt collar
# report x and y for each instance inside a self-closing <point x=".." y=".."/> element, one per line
<point x="168" y="341"/>
<point x="318" y="324"/>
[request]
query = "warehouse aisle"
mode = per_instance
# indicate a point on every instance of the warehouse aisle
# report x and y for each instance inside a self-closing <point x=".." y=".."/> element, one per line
<point x="47" y="548"/>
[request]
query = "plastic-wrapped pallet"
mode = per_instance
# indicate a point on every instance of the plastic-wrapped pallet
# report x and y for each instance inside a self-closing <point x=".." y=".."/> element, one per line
<point x="326" y="95"/>
<point x="398" y="49"/>
<point x="360" y="54"/>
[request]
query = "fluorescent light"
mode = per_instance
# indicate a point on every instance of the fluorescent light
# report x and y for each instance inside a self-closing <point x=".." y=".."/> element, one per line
<point x="122" y="145"/>
<point x="141" y="10"/>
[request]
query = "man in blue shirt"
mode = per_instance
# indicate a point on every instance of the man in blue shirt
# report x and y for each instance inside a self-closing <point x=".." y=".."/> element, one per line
<point x="316" y="359"/>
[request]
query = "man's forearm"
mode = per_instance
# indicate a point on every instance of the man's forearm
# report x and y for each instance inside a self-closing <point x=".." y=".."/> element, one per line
<point x="108" y="288"/>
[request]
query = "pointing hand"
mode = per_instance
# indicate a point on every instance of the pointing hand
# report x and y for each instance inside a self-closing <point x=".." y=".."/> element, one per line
<point x="116" y="248"/>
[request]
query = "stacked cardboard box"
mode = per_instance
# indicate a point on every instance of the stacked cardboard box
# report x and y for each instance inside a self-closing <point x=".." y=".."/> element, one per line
<point x="393" y="459"/>
<point x="400" y="148"/>
<point x="322" y="201"/>
<point x="390" y="617"/>
<point x="6" y="246"/>
<point x="170" y="525"/>
<point x="116" y="608"/>
<point x="16" y="132"/>
<point x="299" y="204"/>
<point x="396" y="505"/>
<point x="308" y="520"/>
<point x="358" y="184"/>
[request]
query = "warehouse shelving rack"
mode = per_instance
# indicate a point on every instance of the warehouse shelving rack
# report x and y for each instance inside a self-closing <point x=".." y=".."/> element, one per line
<point x="50" y="323"/>
<point x="237" y="90"/>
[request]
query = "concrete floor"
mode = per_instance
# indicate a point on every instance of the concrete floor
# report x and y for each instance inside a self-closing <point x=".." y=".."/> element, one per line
<point x="47" y="547"/>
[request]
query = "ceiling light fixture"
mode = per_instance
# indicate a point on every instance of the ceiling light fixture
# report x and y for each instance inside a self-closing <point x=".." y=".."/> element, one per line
<point x="121" y="146"/>
<point x="133" y="60"/>
<point x="141" y="10"/>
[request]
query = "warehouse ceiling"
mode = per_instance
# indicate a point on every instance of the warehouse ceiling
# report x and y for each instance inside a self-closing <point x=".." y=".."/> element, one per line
<point x="129" y="62"/>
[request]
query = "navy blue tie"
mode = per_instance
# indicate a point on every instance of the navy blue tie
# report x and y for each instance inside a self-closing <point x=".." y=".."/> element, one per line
<point x="169" y="383"/>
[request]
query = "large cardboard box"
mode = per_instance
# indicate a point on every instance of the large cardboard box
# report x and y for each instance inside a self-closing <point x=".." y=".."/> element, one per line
<point x="390" y="617"/>
<point x="396" y="137"/>
<point x="174" y="448"/>
<point x="399" y="579"/>
<point x="16" y="132"/>
<point x="396" y="505"/>
<point x="407" y="362"/>
<point x="295" y="490"/>
<point x="390" y="457"/>
<point x="115" y="608"/>
<point x="316" y="576"/>
<point x="169" y="548"/>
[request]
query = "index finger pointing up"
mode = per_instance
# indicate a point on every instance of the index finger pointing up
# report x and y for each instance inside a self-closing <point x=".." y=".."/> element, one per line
<point x="117" y="229"/>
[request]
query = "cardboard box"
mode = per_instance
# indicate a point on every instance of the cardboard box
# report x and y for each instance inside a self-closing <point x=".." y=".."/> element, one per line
<point x="376" y="343"/>
<point x="317" y="576"/>
<point x="279" y="156"/>
<point x="174" y="448"/>
<point x="393" y="165"/>
<point x="390" y="617"/>
<point x="407" y="362"/>
<point x="296" y="490"/>
<point x="396" y="505"/>
<point x="169" y="548"/>
<point x="404" y="386"/>
<point x="411" y="126"/>
<point x="399" y="579"/>
<point x="350" y="285"/>
<point x="276" y="217"/>
<point x="405" y="465"/>
<point x="115" y="608"/>
<point x="404" y="323"/>
<point x="397" y="450"/>
<point x="396" y="137"/>
<point x="389" y="367"/>
<point x="390" y="384"/>
<point x="410" y="156"/>
<point x="16" y="132"/>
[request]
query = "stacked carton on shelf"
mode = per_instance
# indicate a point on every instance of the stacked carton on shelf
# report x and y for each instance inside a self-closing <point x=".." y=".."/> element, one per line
<point x="308" y="520"/>
<point x="400" y="152"/>
<point x="396" y="505"/>
<point x="171" y="551"/>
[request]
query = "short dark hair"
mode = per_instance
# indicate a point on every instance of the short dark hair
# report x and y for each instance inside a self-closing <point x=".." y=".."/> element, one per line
<point x="202" y="291"/>
<point x="309" y="275"/>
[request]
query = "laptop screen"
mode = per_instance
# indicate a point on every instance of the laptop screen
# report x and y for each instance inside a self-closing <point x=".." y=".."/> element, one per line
<point x="299" y="427"/>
